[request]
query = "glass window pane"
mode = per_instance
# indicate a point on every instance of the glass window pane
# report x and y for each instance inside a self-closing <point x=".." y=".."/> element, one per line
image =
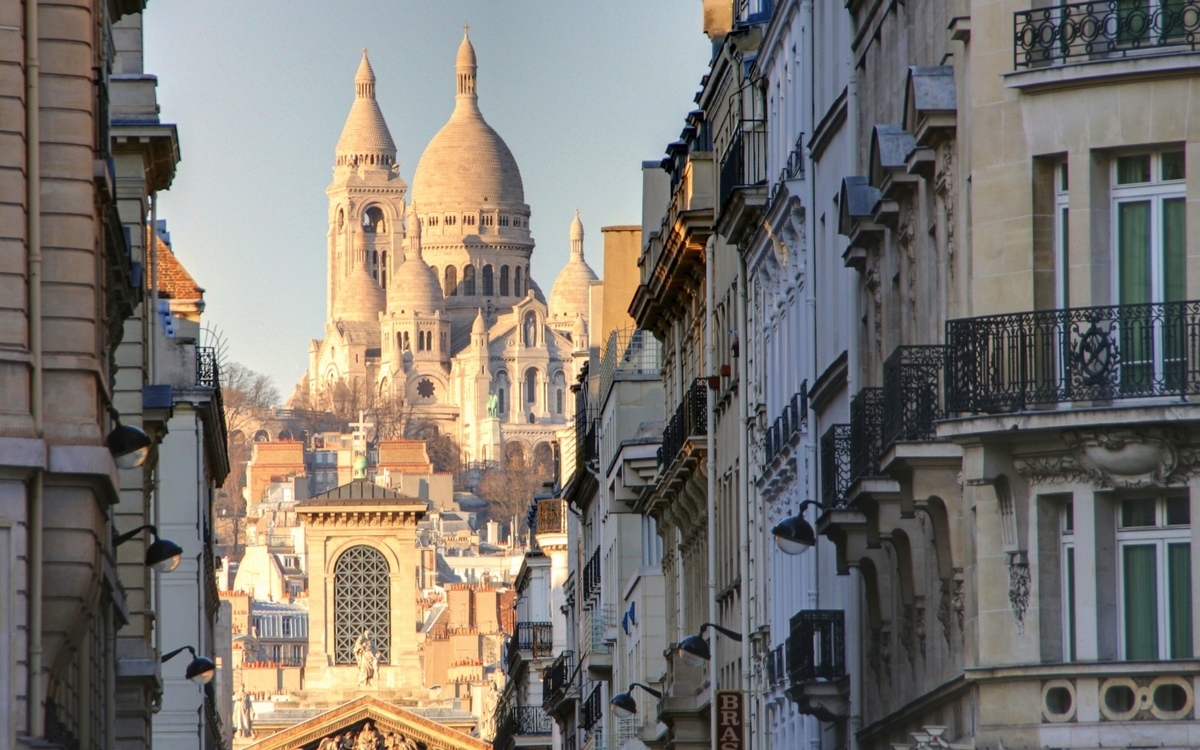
<point x="1133" y="250"/>
<point x="1141" y="605"/>
<point x="1138" y="512"/>
<point x="1070" y="603"/>
<point x="1064" y="236"/>
<point x="1069" y="518"/>
<point x="1064" y="183"/>
<point x="1133" y="169"/>
<point x="1174" y="250"/>
<point x="1179" y="511"/>
<point x="1179" y="599"/>
<point x="1173" y="166"/>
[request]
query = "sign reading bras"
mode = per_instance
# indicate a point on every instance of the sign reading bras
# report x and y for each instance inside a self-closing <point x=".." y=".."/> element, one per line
<point x="731" y="724"/>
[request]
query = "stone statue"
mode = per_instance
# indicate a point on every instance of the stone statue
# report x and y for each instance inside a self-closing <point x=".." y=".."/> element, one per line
<point x="493" y="405"/>
<point x="368" y="738"/>
<point x="367" y="658"/>
<point x="329" y="743"/>
<point x="243" y="715"/>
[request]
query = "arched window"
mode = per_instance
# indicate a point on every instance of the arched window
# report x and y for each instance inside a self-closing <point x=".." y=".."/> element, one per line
<point x="443" y="343"/>
<point x="404" y="345"/>
<point x="558" y="401"/>
<point x="383" y="269"/>
<point x="503" y="281"/>
<point x="517" y="283"/>
<point x="361" y="602"/>
<point x="451" y="281"/>
<point x="530" y="329"/>
<point x="488" y="291"/>
<point x="373" y="221"/>
<point x="531" y="386"/>
<point x="500" y="402"/>
<point x="469" y="280"/>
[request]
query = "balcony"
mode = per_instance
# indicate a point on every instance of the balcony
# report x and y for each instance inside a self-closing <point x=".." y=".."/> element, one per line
<point x="591" y="712"/>
<point x="787" y="427"/>
<point x="742" y="184"/>
<point x="1088" y="355"/>
<point x="531" y="640"/>
<point x="519" y="722"/>
<point x="1103" y="29"/>
<point x="689" y="421"/>
<point x="816" y="663"/>
<point x="551" y="517"/>
<point x="775" y="665"/>
<point x="597" y="648"/>
<point x="835" y="467"/>
<point x="557" y="685"/>
<point x="587" y="447"/>
<point x="866" y="433"/>
<point x="912" y="393"/>
<point x="630" y="353"/>
<point x="590" y="579"/>
<point x="793" y="169"/>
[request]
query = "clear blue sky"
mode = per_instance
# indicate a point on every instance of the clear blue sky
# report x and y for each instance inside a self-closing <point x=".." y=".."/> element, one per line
<point x="582" y="91"/>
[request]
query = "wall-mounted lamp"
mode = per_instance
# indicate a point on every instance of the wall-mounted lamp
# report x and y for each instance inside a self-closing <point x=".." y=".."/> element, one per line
<point x="200" y="670"/>
<point x="162" y="554"/>
<point x="129" y="445"/>
<point x="794" y="535"/>
<point x="624" y="705"/>
<point x="694" y="649"/>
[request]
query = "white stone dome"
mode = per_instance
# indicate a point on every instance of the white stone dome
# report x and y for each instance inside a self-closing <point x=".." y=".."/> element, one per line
<point x="467" y="162"/>
<point x="415" y="286"/>
<point x="569" y="295"/>
<point x="365" y="134"/>
<point x="360" y="298"/>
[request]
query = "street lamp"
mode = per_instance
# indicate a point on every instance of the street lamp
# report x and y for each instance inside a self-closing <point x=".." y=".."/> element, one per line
<point x="162" y="554"/>
<point x="129" y="445"/>
<point x="794" y="535"/>
<point x="694" y="649"/>
<point x="624" y="705"/>
<point x="200" y="670"/>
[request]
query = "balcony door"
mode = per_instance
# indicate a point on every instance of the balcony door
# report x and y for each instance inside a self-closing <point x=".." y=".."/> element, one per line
<point x="1150" y="269"/>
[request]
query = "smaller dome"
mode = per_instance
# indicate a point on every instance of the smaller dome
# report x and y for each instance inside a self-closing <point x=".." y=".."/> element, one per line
<point x="415" y="286"/>
<point x="360" y="297"/>
<point x="569" y="295"/>
<point x="466" y="53"/>
<point x="478" y="326"/>
<point x="365" y="135"/>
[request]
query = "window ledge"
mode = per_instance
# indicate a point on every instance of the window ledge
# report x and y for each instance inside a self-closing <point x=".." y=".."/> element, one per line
<point x="1099" y="72"/>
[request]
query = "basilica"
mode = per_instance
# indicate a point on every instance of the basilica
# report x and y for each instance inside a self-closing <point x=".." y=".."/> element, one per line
<point x="430" y="295"/>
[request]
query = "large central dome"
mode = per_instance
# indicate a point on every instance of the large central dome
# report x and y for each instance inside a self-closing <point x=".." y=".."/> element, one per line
<point x="467" y="162"/>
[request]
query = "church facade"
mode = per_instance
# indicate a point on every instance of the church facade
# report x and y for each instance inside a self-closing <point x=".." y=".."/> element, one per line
<point x="431" y="296"/>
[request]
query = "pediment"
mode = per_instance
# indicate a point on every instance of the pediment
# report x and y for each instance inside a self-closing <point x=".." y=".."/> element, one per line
<point x="383" y="717"/>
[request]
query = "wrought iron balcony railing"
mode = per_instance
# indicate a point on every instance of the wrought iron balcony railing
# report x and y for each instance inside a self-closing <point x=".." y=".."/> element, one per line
<point x="866" y="433"/>
<point x="556" y="683"/>
<point x="207" y="369"/>
<point x="790" y="423"/>
<point x="793" y="169"/>
<point x="596" y="622"/>
<point x="776" y="665"/>
<point x="912" y="393"/>
<point x="535" y="637"/>
<point x="744" y="162"/>
<point x="587" y="446"/>
<point x="816" y="645"/>
<point x="1103" y="29"/>
<point x="516" y="721"/>
<point x="591" y="712"/>
<point x="551" y="516"/>
<point x="689" y="420"/>
<point x="835" y="466"/>
<point x="1010" y="362"/>
<point x="591" y="577"/>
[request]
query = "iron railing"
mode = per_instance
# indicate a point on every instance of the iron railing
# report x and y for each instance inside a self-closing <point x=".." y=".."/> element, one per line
<point x="587" y="445"/>
<point x="207" y="369"/>
<point x="551" y="516"/>
<point x="744" y="162"/>
<point x="629" y="352"/>
<point x="793" y="169"/>
<point x="1102" y="29"/>
<point x="788" y="425"/>
<point x="535" y="637"/>
<point x="591" y="577"/>
<point x="592" y="709"/>
<point x="866" y="433"/>
<point x="835" y="466"/>
<point x="516" y="721"/>
<point x="596" y="622"/>
<point x="1009" y="362"/>
<point x="776" y="665"/>
<point x="689" y="420"/>
<point x="912" y="393"/>
<point x="816" y="645"/>
<point x="557" y="680"/>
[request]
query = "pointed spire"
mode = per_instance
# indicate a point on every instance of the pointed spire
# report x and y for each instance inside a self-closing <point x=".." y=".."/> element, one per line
<point x="364" y="80"/>
<point x="478" y="326"/>
<point x="577" y="237"/>
<point x="465" y="66"/>
<point x="414" y="243"/>
<point x="365" y="139"/>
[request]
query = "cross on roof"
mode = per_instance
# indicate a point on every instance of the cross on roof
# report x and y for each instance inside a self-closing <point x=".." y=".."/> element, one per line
<point x="361" y="426"/>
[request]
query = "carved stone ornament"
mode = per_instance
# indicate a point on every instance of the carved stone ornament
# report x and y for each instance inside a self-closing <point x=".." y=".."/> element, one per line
<point x="1018" y="588"/>
<point x="1115" y="459"/>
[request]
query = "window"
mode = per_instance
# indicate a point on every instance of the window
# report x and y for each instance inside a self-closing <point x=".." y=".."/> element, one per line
<point x="286" y="626"/>
<point x="451" y="220"/>
<point x="443" y="342"/>
<point x="504" y="221"/>
<point x="1149" y="230"/>
<point x="1068" y="579"/>
<point x="276" y="653"/>
<point x="500" y="401"/>
<point x="488" y="290"/>
<point x="503" y="281"/>
<point x="372" y="221"/>
<point x="517" y="282"/>
<point x="451" y="283"/>
<point x="531" y="385"/>
<point x="383" y="270"/>
<point x="489" y="220"/>
<point x="361" y="602"/>
<point x="469" y="220"/>
<point x="558" y="401"/>
<point x="297" y="654"/>
<point x="431" y="221"/>
<point x="1155" y="559"/>
<point x="469" y="280"/>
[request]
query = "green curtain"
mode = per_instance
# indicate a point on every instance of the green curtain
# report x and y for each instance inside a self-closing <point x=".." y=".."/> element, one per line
<point x="1141" y="605"/>
<point x="1174" y="239"/>
<point x="1136" y="332"/>
<point x="1070" y="604"/>
<point x="1179" y="599"/>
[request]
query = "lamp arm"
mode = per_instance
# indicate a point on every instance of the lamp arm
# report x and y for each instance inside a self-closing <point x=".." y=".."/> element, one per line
<point x="118" y="541"/>
<point x="723" y="631"/>
<point x="172" y="654"/>
<point x="805" y="504"/>
<point x="650" y="690"/>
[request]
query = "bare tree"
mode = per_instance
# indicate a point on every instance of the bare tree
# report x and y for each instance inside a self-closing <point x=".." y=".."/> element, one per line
<point x="509" y="489"/>
<point x="248" y="397"/>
